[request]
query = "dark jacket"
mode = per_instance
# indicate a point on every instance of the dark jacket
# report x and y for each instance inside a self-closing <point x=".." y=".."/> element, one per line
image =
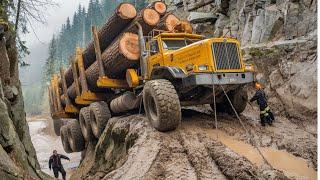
<point x="55" y="160"/>
<point x="261" y="99"/>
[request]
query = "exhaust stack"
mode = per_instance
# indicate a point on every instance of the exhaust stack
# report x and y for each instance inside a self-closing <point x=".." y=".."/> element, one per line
<point x="143" y="52"/>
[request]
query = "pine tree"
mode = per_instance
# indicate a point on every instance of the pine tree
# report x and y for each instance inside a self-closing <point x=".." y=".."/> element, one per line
<point x="76" y="33"/>
<point x="108" y="7"/>
<point x="50" y="64"/>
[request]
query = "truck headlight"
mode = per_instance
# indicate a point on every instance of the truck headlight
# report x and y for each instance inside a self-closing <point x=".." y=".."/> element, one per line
<point x="203" y="67"/>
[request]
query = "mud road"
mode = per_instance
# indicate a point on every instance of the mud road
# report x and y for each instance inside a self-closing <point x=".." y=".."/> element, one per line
<point x="131" y="149"/>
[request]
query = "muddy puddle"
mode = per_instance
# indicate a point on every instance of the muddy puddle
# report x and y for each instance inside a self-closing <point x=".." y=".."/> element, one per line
<point x="291" y="165"/>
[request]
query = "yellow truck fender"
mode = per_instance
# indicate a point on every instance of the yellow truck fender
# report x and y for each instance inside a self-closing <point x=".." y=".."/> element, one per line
<point x="167" y="72"/>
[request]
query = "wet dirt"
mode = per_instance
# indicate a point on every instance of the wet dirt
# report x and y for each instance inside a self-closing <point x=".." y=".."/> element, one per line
<point x="196" y="150"/>
<point x="281" y="160"/>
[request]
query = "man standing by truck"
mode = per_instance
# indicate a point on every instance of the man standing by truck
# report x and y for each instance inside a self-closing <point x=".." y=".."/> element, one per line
<point x="55" y="164"/>
<point x="266" y="116"/>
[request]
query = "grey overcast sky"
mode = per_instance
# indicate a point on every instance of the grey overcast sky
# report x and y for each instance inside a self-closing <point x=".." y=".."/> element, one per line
<point x="55" y="16"/>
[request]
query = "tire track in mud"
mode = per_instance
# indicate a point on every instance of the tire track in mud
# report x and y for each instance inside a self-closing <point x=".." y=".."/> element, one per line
<point x="172" y="161"/>
<point x="190" y="152"/>
<point x="198" y="156"/>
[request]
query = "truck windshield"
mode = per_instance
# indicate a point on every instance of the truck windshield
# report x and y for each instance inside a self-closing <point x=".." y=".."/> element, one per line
<point x="170" y="44"/>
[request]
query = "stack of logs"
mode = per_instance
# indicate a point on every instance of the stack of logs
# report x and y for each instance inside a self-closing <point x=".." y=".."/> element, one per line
<point x="119" y="42"/>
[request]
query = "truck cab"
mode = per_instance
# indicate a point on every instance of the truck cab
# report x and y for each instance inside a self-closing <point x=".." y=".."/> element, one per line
<point x="195" y="64"/>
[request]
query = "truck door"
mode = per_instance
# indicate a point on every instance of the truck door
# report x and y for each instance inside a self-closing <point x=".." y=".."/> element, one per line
<point x="155" y="58"/>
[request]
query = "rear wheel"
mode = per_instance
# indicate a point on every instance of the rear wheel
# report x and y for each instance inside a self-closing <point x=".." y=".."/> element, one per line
<point x="84" y="120"/>
<point x="99" y="116"/>
<point x="75" y="136"/>
<point x="221" y="107"/>
<point x="57" y="123"/>
<point x="64" y="139"/>
<point x="239" y="100"/>
<point x="162" y="105"/>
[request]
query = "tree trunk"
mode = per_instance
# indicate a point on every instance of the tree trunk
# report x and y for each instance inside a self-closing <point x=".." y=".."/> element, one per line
<point x="159" y="6"/>
<point x="168" y="22"/>
<point x="184" y="26"/>
<point x="116" y="23"/>
<point x="124" y="53"/>
<point x="120" y="19"/>
<point x="148" y="19"/>
<point x="18" y="16"/>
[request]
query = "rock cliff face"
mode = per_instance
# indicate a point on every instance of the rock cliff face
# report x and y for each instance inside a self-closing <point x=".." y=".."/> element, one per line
<point x="279" y="37"/>
<point x="18" y="158"/>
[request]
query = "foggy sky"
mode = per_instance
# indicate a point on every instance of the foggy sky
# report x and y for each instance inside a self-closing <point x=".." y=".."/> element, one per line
<point x="55" y="16"/>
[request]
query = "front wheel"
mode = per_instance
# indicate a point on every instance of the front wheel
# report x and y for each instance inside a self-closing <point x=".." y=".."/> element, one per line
<point x="162" y="105"/>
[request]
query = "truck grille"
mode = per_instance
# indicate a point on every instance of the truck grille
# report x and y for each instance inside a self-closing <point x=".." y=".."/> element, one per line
<point x="226" y="55"/>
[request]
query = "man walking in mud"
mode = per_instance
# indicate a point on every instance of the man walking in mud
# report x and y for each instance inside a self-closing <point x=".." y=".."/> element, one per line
<point x="55" y="164"/>
<point x="266" y="116"/>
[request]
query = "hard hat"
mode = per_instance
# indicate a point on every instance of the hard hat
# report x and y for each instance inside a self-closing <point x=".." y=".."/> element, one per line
<point x="257" y="85"/>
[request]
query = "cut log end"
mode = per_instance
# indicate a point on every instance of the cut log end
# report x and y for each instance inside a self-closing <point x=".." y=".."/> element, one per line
<point x="150" y="16"/>
<point x="160" y="7"/>
<point x="127" y="11"/>
<point x="171" y="22"/>
<point x="185" y="27"/>
<point x="129" y="46"/>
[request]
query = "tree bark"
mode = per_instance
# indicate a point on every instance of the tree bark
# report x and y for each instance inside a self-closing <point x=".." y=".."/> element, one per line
<point x="148" y="18"/>
<point x="124" y="53"/>
<point x="18" y="16"/>
<point x="120" y="19"/>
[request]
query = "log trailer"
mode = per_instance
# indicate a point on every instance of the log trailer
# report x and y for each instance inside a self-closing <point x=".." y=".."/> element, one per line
<point x="160" y="72"/>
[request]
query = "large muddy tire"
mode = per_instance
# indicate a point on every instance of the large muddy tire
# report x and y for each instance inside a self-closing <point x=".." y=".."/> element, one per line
<point x="239" y="99"/>
<point x="75" y="136"/>
<point x="162" y="105"/>
<point x="84" y="120"/>
<point x="57" y="124"/>
<point x="99" y="116"/>
<point x="221" y="107"/>
<point x="64" y="139"/>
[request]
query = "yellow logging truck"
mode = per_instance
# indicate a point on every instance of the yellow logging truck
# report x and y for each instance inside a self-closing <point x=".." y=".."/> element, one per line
<point x="175" y="70"/>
